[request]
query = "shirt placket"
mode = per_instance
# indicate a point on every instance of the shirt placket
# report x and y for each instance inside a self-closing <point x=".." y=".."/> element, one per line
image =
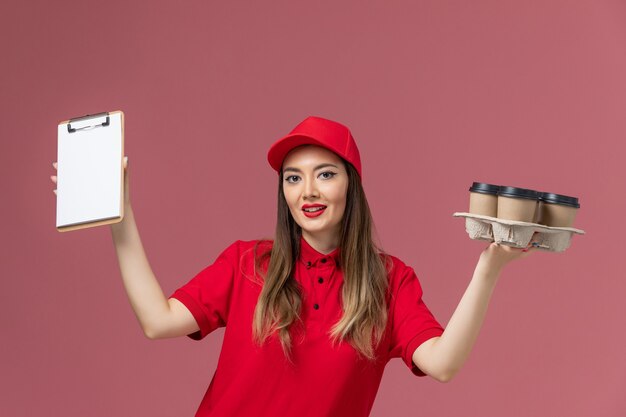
<point x="319" y="273"/>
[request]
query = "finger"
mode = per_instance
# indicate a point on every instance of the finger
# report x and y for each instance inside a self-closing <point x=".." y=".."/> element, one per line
<point x="530" y="249"/>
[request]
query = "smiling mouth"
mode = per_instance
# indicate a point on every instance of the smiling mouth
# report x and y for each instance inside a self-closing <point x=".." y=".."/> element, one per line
<point x="313" y="209"/>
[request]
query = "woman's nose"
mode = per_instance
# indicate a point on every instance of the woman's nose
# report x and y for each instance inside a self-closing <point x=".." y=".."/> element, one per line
<point x="310" y="188"/>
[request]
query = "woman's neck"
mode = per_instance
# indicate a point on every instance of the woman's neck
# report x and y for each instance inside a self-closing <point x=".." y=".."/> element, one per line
<point x="322" y="244"/>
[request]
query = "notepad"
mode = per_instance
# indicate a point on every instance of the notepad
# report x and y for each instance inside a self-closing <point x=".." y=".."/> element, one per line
<point x="90" y="171"/>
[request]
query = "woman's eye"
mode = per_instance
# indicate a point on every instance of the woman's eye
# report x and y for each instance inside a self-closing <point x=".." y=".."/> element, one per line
<point x="331" y="174"/>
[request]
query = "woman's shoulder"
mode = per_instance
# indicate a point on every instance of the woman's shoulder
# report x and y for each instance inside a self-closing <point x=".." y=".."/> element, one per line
<point x="244" y="254"/>
<point x="391" y="260"/>
<point x="243" y="245"/>
<point x="397" y="269"/>
<point x="261" y="243"/>
<point x="248" y="250"/>
<point x="238" y="251"/>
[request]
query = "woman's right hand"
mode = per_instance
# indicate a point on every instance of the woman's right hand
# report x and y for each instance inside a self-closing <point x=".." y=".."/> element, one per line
<point x="126" y="191"/>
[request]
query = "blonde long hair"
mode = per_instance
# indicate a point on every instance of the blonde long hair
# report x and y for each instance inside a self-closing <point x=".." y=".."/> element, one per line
<point x="364" y="265"/>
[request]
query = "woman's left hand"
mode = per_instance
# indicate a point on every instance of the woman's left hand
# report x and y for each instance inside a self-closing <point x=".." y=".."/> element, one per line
<point x="496" y="256"/>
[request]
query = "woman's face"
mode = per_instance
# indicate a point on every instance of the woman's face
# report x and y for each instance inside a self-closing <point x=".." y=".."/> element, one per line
<point x="313" y="175"/>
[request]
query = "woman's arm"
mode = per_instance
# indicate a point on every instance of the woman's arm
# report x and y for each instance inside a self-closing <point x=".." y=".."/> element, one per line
<point x="442" y="357"/>
<point x="158" y="316"/>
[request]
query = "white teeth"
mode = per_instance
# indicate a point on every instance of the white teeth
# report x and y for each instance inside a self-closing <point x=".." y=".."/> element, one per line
<point x="310" y="210"/>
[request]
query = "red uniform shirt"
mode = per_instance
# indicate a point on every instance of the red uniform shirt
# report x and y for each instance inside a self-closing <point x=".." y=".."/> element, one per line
<point x="325" y="381"/>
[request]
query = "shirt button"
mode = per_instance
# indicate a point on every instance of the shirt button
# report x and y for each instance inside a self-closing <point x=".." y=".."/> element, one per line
<point x="308" y="264"/>
<point x="316" y="306"/>
<point x="323" y="260"/>
<point x="320" y="280"/>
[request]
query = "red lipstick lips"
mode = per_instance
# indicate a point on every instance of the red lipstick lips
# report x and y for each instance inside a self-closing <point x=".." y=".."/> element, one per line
<point x="313" y="213"/>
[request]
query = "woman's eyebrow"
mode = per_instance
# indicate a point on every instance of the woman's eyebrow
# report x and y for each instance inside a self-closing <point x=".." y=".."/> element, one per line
<point x="316" y="168"/>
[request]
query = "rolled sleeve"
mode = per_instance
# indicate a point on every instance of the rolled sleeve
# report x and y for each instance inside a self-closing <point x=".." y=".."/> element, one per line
<point x="208" y="294"/>
<point x="412" y="321"/>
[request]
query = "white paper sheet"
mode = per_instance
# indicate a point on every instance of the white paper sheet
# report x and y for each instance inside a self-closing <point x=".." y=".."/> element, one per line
<point x="89" y="173"/>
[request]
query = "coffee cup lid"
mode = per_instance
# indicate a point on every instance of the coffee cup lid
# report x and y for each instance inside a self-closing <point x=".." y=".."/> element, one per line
<point x="516" y="192"/>
<point x="483" y="187"/>
<point x="560" y="199"/>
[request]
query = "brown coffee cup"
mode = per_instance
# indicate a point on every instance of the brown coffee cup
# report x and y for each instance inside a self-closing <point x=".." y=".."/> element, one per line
<point x="484" y="199"/>
<point x="558" y="210"/>
<point x="518" y="204"/>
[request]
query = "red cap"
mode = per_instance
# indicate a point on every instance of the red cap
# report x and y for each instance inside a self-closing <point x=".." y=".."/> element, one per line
<point x="317" y="131"/>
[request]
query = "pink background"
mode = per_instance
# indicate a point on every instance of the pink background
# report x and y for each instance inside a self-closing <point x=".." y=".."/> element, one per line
<point x="437" y="93"/>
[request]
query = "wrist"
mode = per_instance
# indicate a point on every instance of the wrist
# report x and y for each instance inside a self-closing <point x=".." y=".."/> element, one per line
<point x="119" y="226"/>
<point x="488" y="268"/>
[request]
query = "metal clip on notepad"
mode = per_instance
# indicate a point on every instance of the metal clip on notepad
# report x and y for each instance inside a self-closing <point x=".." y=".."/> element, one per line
<point x="87" y="122"/>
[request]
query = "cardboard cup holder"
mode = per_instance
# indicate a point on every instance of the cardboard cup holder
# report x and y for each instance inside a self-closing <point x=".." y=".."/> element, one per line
<point x="517" y="234"/>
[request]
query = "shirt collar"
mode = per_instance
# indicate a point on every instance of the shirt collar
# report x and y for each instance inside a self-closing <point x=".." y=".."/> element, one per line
<point x="310" y="256"/>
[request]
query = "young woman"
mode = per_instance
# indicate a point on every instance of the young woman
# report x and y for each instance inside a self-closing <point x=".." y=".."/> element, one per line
<point x="312" y="316"/>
